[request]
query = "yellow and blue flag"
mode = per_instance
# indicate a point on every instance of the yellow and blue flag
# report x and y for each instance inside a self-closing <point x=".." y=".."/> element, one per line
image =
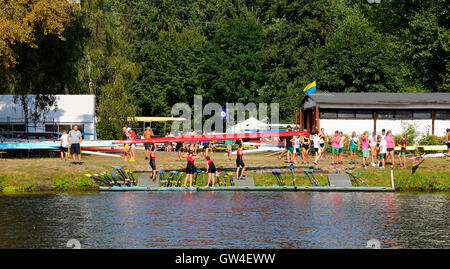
<point x="310" y="88"/>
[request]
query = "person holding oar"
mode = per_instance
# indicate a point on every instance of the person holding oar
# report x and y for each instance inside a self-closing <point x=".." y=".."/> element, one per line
<point x="153" y="160"/>
<point x="190" y="167"/>
<point x="239" y="159"/>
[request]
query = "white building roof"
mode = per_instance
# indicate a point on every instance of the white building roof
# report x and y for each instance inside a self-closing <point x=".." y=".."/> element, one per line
<point x="68" y="108"/>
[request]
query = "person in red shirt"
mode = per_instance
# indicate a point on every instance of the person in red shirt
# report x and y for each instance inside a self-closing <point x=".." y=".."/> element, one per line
<point x="239" y="159"/>
<point x="190" y="167"/>
<point x="132" y="136"/>
<point x="211" y="170"/>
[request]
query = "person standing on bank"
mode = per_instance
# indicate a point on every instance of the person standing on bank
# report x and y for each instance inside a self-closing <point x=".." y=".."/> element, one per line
<point x="65" y="141"/>
<point x="75" y="140"/>
<point x="239" y="159"/>
<point x="148" y="133"/>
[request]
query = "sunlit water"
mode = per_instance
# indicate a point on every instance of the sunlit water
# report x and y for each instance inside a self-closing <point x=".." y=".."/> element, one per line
<point x="225" y="220"/>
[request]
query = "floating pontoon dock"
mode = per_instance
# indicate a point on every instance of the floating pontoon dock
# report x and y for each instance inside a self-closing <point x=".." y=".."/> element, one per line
<point x="252" y="188"/>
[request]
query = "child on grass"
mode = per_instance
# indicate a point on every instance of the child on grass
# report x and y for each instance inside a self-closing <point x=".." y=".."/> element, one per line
<point x="402" y="153"/>
<point x="382" y="152"/>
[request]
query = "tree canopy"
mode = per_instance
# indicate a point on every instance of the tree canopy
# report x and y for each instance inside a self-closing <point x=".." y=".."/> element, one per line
<point x="144" y="56"/>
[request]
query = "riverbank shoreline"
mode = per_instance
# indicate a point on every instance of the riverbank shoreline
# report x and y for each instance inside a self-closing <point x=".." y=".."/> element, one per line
<point x="39" y="175"/>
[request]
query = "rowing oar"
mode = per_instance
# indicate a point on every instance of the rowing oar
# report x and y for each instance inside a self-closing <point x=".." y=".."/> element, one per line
<point x="291" y="166"/>
<point x="98" y="179"/>
<point x="362" y="181"/>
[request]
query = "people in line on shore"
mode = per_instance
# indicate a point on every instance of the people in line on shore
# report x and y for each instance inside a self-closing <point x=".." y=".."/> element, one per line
<point x="229" y="145"/>
<point x="365" y="149"/>
<point x="289" y="146"/>
<point x="390" y="147"/>
<point x="402" y="153"/>
<point x="382" y="151"/>
<point x="65" y="142"/>
<point x="322" y="143"/>
<point x="353" y="147"/>
<point x="297" y="149"/>
<point x="210" y="170"/>
<point x="373" y="148"/>
<point x="335" y="148"/>
<point x="306" y="143"/>
<point x="316" y="145"/>
<point x="342" y="143"/>
<point x="75" y="140"/>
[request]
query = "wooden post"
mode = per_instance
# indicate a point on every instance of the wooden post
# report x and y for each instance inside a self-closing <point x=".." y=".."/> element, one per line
<point x="432" y="121"/>
<point x="375" y="121"/>
<point x="296" y="119"/>
<point x="317" y="119"/>
<point x="392" y="179"/>
<point x="301" y="120"/>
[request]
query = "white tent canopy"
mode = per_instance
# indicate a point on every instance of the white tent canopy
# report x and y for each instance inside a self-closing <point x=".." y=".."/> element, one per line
<point x="250" y="123"/>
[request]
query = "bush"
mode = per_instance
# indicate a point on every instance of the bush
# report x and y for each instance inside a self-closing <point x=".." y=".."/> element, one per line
<point x="430" y="140"/>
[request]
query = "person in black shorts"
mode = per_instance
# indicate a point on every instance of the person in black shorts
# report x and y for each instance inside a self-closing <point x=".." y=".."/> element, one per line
<point x="153" y="161"/>
<point x="179" y="149"/>
<point x="239" y="160"/>
<point x="190" y="167"/>
<point x="211" y="170"/>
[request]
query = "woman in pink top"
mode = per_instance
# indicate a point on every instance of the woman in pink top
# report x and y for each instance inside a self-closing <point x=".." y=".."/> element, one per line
<point x="335" y="148"/>
<point x="390" y="147"/>
<point x="365" y="149"/>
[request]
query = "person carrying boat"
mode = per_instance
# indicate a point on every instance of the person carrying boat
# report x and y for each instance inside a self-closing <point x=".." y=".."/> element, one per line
<point x="132" y="136"/>
<point x="190" y="167"/>
<point x="152" y="162"/>
<point x="211" y="170"/>
<point x="229" y="145"/>
<point x="239" y="159"/>
<point x="306" y="141"/>
<point x="148" y="133"/>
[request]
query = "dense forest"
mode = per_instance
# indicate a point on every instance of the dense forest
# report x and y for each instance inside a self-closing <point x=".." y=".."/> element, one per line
<point x="140" y="57"/>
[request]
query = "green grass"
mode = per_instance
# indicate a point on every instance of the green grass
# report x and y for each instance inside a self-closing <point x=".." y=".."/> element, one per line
<point x="46" y="174"/>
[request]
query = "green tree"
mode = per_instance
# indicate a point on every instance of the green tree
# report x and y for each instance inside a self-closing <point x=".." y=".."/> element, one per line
<point x="106" y="70"/>
<point x="357" y="59"/>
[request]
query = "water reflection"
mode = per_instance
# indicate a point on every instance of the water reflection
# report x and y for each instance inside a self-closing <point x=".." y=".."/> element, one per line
<point x="225" y="220"/>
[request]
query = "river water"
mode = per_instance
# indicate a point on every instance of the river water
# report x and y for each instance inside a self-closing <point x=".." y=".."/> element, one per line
<point x="225" y="220"/>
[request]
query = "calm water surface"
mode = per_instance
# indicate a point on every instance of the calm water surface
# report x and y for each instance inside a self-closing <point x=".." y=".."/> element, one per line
<point x="225" y="220"/>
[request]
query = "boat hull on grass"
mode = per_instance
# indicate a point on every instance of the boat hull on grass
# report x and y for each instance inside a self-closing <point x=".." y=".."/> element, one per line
<point x="251" y="188"/>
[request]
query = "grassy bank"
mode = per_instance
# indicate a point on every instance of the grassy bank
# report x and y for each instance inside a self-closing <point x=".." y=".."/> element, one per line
<point x="45" y="174"/>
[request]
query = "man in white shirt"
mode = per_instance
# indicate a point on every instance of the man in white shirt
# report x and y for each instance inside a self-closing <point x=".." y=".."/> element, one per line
<point x="65" y="141"/>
